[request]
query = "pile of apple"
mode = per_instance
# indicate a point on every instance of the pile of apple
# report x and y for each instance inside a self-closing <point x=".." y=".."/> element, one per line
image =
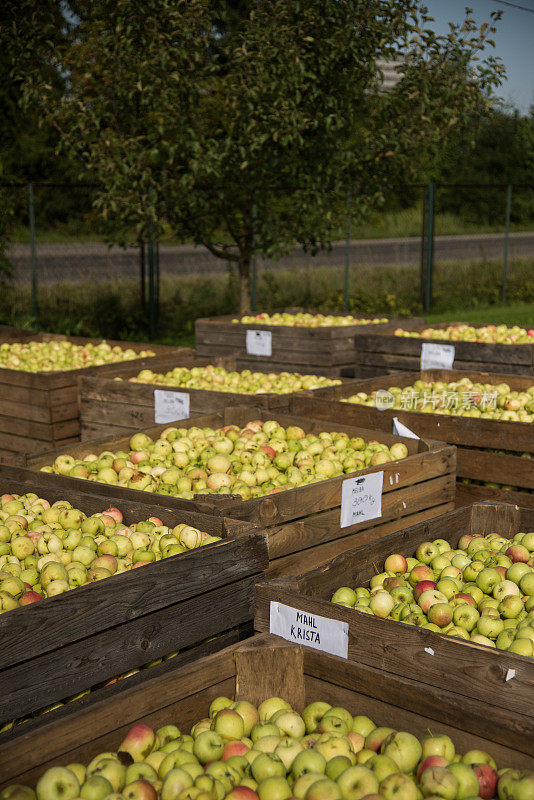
<point x="240" y="752"/>
<point x="463" y="398"/>
<point x="492" y="334"/>
<point x="213" y="378"/>
<point x="56" y="356"/>
<point x="305" y="320"/>
<point x="261" y="458"/>
<point x="482" y="591"/>
<point x="47" y="549"/>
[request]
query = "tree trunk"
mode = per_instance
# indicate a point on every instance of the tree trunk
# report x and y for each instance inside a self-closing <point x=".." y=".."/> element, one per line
<point x="244" y="285"/>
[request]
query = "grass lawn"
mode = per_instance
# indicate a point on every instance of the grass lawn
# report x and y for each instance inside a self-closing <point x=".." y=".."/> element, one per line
<point x="513" y="314"/>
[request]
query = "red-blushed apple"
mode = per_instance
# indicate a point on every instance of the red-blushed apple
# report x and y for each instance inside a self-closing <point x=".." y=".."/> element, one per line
<point x="420" y="573"/>
<point x="139" y="741"/>
<point x="487" y="780"/>
<point x="431" y="761"/>
<point x="242" y="793"/>
<point x="357" y="741"/>
<point x="440" y="614"/>
<point x="234" y="749"/>
<point x="518" y="553"/>
<point x="465" y="598"/>
<point x="396" y="563"/>
<point x="422" y="586"/>
<point x="29" y="597"/>
<point x="374" y="740"/>
<point x="430" y="598"/>
<point x="114" y="513"/>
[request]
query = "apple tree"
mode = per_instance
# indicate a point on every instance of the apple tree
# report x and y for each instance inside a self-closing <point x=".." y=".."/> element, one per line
<point x="239" y="125"/>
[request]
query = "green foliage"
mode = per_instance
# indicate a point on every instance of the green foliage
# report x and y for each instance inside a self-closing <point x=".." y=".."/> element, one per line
<point x="502" y="152"/>
<point x="234" y="125"/>
<point x="113" y="310"/>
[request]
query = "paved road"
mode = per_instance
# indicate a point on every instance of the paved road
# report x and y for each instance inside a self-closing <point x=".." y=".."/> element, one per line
<point x="96" y="262"/>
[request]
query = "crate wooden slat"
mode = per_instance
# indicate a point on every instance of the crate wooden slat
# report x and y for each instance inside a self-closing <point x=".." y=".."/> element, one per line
<point x="474" y="671"/>
<point x="263" y="667"/>
<point x="39" y="410"/>
<point x="301" y="521"/>
<point x="60" y="645"/>
<point x="467" y="493"/>
<point x="109" y="407"/>
<point x="471" y="435"/>
<point x="386" y="353"/>
<point x="324" y="350"/>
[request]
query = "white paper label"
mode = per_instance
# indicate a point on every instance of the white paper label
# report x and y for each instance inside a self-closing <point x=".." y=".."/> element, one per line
<point x="259" y="343"/>
<point x="437" y="356"/>
<point x="429" y="650"/>
<point x="399" y="429"/>
<point x="321" y="633"/>
<point x="510" y="674"/>
<point x="361" y="499"/>
<point x="170" y="406"/>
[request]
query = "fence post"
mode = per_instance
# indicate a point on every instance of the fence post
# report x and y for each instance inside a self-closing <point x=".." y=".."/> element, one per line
<point x="347" y="251"/>
<point x="31" y="215"/>
<point x="429" y="245"/>
<point x="506" y="242"/>
<point x="254" y="263"/>
<point x="151" y="314"/>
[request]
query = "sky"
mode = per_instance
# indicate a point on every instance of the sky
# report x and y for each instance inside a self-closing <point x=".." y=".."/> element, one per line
<point x="514" y="41"/>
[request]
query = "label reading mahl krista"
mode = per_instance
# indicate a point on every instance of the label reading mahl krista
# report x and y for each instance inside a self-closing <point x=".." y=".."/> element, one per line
<point x="361" y="499"/>
<point x="170" y="406"/>
<point x="259" y="343"/>
<point x="437" y="356"/>
<point x="329" y="635"/>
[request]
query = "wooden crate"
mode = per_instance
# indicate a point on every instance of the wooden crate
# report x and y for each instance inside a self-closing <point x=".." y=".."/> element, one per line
<point x="477" y="672"/>
<point x="61" y="645"/>
<point x="386" y="353"/>
<point x="467" y="493"/>
<point x="471" y="435"/>
<point x="263" y="667"/>
<point x="303" y="524"/>
<point x="109" y="407"/>
<point x="324" y="351"/>
<point x="39" y="410"/>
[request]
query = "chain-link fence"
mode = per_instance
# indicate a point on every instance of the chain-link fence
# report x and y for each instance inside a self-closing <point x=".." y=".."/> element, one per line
<point x="54" y="237"/>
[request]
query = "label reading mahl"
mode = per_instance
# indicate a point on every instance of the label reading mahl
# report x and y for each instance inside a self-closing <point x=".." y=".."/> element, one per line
<point x="170" y="406"/>
<point x="259" y="343"/>
<point x="437" y="356"/>
<point x="329" y="635"/>
<point x="361" y="499"/>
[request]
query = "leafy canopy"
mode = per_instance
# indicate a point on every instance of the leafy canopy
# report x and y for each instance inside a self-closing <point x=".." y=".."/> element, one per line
<point x="239" y="124"/>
